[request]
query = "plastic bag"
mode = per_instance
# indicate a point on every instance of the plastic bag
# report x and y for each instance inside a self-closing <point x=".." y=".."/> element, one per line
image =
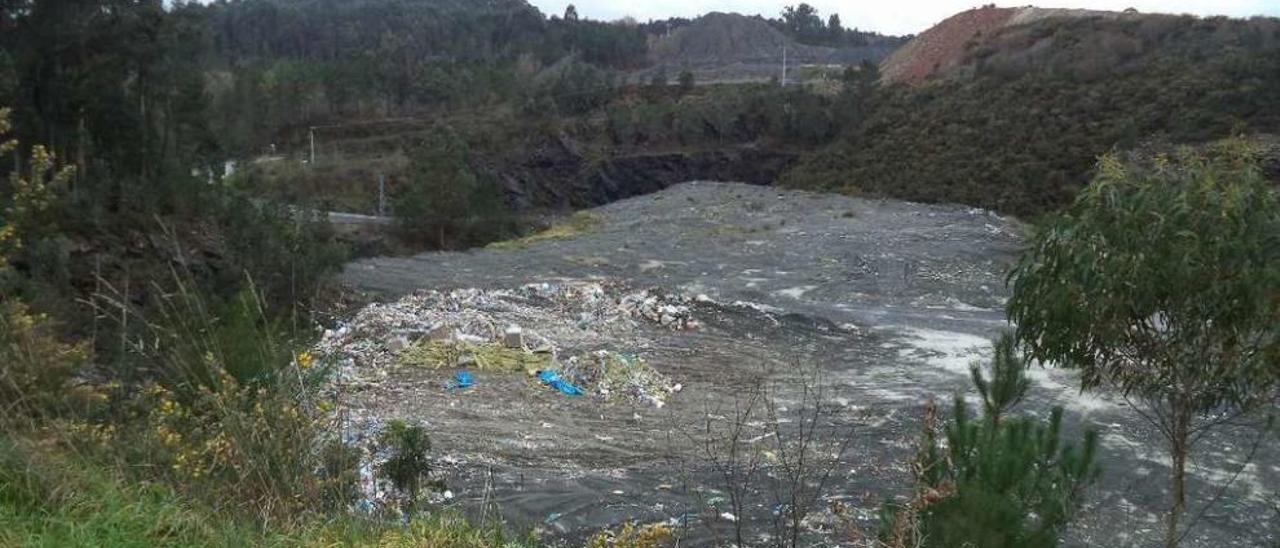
<point x="552" y="379"/>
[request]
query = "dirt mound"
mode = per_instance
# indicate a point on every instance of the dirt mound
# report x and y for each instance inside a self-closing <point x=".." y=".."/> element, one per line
<point x="721" y="39"/>
<point x="946" y="44"/>
<point x="942" y="45"/>
<point x="726" y="37"/>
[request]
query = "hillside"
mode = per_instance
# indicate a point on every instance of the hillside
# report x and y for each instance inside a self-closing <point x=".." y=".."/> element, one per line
<point x="1016" y="120"/>
<point x="945" y="45"/>
<point x="1096" y="45"/>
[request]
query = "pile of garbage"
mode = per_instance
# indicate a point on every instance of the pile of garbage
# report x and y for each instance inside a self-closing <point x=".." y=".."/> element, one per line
<point x="558" y="328"/>
<point x="667" y="310"/>
<point x="619" y="375"/>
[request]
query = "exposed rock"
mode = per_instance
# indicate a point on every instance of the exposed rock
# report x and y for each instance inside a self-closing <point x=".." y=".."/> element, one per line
<point x="555" y="176"/>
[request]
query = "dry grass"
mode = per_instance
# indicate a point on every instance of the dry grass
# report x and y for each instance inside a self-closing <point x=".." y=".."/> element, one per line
<point x="575" y="225"/>
<point x="483" y="357"/>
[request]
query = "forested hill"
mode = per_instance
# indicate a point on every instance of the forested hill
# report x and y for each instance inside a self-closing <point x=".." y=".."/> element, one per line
<point x="260" y="65"/>
<point x="405" y="30"/>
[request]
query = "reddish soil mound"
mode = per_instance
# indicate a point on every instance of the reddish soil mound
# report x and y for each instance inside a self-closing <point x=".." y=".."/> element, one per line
<point x="943" y="45"/>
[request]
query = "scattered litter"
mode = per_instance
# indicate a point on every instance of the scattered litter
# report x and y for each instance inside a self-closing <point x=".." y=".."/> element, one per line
<point x="671" y="311"/>
<point x="728" y="516"/>
<point x="682" y="519"/>
<point x="545" y="317"/>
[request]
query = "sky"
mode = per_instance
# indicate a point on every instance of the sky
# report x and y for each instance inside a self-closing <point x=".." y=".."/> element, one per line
<point x="889" y="17"/>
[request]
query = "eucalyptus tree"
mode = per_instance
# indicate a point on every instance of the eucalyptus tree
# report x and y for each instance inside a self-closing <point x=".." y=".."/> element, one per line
<point x="1162" y="281"/>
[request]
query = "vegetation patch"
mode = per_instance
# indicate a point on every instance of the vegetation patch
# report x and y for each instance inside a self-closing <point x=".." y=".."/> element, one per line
<point x="631" y="535"/>
<point x="573" y="226"/>
<point x="51" y="497"/>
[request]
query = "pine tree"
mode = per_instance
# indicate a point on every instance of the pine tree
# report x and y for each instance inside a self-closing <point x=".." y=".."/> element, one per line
<point x="686" y="81"/>
<point x="440" y="196"/>
<point x="997" y="482"/>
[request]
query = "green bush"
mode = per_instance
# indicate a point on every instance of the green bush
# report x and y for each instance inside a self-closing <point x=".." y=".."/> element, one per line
<point x="407" y="466"/>
<point x="50" y="498"/>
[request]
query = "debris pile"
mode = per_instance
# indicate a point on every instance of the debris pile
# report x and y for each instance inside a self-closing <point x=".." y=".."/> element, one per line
<point x="667" y="310"/>
<point x="552" y="327"/>
<point x="610" y="375"/>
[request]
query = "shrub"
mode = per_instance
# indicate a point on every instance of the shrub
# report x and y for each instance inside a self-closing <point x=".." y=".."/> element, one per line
<point x="630" y="535"/>
<point x="229" y="410"/>
<point x="36" y="368"/>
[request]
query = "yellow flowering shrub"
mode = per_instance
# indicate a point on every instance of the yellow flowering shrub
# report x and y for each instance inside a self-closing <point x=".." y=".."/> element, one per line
<point x="36" y="368"/>
<point x="30" y="195"/>
<point x="630" y="535"/>
<point x="260" y="448"/>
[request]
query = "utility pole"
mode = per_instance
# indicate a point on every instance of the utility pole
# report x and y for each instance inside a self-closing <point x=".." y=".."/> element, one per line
<point x="382" y="195"/>
<point x="784" y="65"/>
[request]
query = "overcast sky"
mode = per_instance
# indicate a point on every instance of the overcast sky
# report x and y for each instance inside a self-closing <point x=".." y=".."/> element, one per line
<point x="889" y="17"/>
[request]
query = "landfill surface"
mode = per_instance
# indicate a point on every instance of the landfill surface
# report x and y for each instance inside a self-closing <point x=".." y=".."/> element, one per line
<point x="675" y="308"/>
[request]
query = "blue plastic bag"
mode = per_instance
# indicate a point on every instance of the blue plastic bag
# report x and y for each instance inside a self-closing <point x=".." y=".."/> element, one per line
<point x="461" y="380"/>
<point x="550" y="378"/>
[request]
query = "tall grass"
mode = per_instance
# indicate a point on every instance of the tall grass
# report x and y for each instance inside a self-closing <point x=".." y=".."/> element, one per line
<point x="50" y="498"/>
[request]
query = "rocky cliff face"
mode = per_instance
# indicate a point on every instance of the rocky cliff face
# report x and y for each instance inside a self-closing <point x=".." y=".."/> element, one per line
<point x="557" y="176"/>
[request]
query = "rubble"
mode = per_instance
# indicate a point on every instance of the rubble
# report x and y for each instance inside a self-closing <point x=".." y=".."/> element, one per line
<point x="671" y="311"/>
<point x="611" y="375"/>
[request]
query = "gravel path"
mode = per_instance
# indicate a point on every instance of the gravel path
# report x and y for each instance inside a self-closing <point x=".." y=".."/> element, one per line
<point x="891" y="300"/>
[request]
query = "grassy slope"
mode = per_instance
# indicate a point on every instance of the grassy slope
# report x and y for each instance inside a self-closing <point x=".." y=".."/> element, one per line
<point x="49" y="498"/>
